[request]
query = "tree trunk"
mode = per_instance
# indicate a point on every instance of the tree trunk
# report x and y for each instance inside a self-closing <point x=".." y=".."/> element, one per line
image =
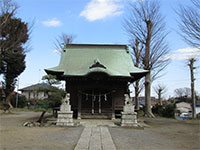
<point x="137" y="96"/>
<point x="8" y="100"/>
<point x="40" y="120"/>
<point x="148" y="112"/>
<point x="159" y="98"/>
<point x="191" y="65"/>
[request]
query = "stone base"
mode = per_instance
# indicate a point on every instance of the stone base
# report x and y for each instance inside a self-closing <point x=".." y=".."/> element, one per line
<point x="129" y="119"/>
<point x="129" y="109"/>
<point x="65" y="118"/>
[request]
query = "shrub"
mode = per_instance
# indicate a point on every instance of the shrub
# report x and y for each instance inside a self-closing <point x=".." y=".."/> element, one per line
<point x="22" y="101"/>
<point x="169" y="111"/>
<point x="54" y="98"/>
<point x="164" y="110"/>
<point x="157" y="109"/>
<point x="41" y="103"/>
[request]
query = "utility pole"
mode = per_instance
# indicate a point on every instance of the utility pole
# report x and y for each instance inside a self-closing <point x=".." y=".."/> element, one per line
<point x="17" y="97"/>
<point x="191" y="65"/>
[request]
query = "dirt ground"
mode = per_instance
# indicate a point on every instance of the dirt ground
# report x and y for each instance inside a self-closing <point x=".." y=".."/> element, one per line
<point x="13" y="136"/>
<point x="159" y="134"/>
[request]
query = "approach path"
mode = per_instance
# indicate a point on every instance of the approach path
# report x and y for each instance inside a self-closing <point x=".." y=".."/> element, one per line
<point x="95" y="138"/>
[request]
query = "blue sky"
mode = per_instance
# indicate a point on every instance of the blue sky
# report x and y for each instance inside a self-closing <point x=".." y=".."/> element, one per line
<point x="96" y="21"/>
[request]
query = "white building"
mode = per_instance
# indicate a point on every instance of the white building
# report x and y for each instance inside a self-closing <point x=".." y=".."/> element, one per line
<point x="32" y="92"/>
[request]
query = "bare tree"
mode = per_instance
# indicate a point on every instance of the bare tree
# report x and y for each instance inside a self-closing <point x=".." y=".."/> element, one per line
<point x="63" y="40"/>
<point x="160" y="90"/>
<point x="179" y="92"/>
<point x="183" y="92"/>
<point x="136" y="56"/>
<point x="191" y="65"/>
<point x="145" y="24"/>
<point x="189" y="23"/>
<point x="7" y="9"/>
<point x="187" y="92"/>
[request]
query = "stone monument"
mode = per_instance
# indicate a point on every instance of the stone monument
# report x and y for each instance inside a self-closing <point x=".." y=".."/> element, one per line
<point x="65" y="115"/>
<point x="129" y="116"/>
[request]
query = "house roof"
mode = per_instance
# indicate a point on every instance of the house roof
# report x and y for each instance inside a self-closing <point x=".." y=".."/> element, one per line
<point x="183" y="105"/>
<point x="84" y="59"/>
<point x="35" y="86"/>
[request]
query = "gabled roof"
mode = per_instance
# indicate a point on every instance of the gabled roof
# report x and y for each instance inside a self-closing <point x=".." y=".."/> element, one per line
<point x="34" y="87"/>
<point x="84" y="59"/>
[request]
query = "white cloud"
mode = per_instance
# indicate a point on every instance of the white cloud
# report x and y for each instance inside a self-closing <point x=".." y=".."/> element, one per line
<point x="52" y="23"/>
<point x="184" y="54"/>
<point x="100" y="9"/>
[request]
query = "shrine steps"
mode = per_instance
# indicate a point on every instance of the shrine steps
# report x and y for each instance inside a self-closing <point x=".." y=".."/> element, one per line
<point x="96" y="116"/>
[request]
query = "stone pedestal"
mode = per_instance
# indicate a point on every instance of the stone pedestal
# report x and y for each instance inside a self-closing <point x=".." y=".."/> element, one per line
<point x="65" y="115"/>
<point x="129" y="117"/>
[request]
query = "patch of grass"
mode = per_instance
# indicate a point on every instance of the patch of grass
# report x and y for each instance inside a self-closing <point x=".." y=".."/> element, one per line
<point x="20" y="109"/>
<point x="4" y="130"/>
<point x="74" y="146"/>
<point x="140" y="113"/>
<point x="31" y="109"/>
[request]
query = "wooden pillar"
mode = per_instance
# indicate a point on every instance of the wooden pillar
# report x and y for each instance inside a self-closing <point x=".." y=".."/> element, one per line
<point x="99" y="104"/>
<point x="79" y="106"/>
<point x="92" y="105"/>
<point x="113" y="107"/>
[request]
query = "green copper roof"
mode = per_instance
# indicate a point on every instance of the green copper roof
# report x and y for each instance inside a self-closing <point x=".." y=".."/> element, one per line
<point x="83" y="59"/>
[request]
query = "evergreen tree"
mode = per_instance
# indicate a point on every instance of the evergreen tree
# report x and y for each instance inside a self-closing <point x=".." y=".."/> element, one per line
<point x="13" y="37"/>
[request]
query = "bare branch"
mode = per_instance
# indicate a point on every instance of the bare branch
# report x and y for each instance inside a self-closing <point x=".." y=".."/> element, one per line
<point x="145" y="24"/>
<point x="160" y="90"/>
<point x="7" y="9"/>
<point x="63" y="40"/>
<point x="189" y="23"/>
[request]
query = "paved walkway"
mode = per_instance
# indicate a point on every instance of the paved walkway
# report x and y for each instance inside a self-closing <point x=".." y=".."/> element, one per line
<point x="95" y="138"/>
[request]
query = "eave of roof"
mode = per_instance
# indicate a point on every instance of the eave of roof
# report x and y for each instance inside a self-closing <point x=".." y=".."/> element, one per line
<point x="114" y="60"/>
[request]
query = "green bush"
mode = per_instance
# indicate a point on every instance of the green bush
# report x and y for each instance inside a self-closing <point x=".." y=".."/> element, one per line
<point x="164" y="110"/>
<point x="54" y="98"/>
<point x="41" y="104"/>
<point x="168" y="111"/>
<point x="157" y="109"/>
<point x="22" y="101"/>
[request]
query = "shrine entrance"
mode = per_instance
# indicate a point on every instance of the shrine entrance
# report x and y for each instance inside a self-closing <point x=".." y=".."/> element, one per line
<point x="96" y="103"/>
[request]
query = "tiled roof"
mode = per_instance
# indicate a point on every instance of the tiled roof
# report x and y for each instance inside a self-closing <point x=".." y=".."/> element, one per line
<point x="83" y="59"/>
<point x="35" y="86"/>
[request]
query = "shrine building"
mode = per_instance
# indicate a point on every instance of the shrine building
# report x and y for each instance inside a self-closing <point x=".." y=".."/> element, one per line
<point x="97" y="77"/>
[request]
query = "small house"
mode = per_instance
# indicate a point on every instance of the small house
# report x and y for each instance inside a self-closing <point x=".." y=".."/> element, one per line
<point x="33" y="92"/>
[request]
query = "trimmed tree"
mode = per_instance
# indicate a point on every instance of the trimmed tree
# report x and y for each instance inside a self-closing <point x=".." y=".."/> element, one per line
<point x="145" y="24"/>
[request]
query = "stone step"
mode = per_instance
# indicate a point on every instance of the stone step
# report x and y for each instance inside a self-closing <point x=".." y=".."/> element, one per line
<point x="95" y="116"/>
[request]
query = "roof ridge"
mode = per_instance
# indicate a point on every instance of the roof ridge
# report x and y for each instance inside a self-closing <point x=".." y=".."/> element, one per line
<point x="123" y="46"/>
